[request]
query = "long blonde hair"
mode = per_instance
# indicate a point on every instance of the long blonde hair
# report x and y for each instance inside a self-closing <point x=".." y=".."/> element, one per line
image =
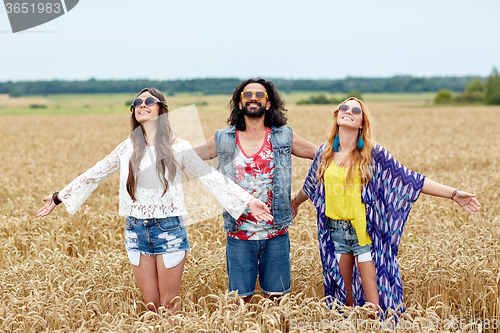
<point x="361" y="157"/>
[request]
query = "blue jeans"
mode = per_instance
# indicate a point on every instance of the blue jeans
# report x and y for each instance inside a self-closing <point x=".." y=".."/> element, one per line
<point x="268" y="258"/>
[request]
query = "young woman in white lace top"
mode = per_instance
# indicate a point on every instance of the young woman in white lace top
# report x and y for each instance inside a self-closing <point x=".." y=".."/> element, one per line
<point x="152" y="199"/>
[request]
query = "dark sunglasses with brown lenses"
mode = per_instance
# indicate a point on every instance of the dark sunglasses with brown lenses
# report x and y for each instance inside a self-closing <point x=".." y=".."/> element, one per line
<point x="258" y="94"/>
<point x="150" y="101"/>
<point x="354" y="110"/>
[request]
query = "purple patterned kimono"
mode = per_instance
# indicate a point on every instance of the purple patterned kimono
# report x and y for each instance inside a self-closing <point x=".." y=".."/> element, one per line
<point x="388" y="198"/>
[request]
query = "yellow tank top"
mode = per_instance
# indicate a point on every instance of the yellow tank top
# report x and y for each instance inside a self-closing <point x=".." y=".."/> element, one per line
<point x="345" y="203"/>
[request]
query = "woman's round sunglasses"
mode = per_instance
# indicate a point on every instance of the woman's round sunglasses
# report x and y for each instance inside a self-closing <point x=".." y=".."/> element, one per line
<point x="354" y="110"/>
<point x="150" y="101"/>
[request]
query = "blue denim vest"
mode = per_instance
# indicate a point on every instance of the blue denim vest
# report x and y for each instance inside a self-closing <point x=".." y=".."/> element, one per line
<point x="281" y="141"/>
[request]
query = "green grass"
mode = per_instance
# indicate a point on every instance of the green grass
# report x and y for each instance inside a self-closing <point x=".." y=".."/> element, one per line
<point x="115" y="103"/>
<point x="424" y="98"/>
<point x="427" y="97"/>
<point x="90" y="99"/>
<point x="295" y="96"/>
<point x="63" y="110"/>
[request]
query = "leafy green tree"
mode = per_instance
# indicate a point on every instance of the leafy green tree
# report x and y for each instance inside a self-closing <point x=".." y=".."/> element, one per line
<point x="355" y="93"/>
<point x="476" y="85"/>
<point x="17" y="91"/>
<point x="318" y="99"/>
<point x="492" y="89"/>
<point x="495" y="99"/>
<point x="444" y="96"/>
<point x="473" y="94"/>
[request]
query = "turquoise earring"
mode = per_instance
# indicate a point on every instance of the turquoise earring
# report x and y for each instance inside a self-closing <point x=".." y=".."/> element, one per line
<point x="361" y="143"/>
<point x="336" y="143"/>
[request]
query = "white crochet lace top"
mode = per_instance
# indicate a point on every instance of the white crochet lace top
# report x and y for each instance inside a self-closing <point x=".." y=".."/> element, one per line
<point x="150" y="203"/>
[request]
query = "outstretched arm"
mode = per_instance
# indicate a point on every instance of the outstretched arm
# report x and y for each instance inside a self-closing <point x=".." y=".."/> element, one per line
<point x="464" y="199"/>
<point x="207" y="150"/>
<point x="75" y="193"/>
<point x="303" y="148"/>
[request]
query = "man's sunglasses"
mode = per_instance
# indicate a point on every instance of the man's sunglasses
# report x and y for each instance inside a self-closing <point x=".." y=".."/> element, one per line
<point x="257" y="94"/>
<point x="150" y="101"/>
<point x="354" y="110"/>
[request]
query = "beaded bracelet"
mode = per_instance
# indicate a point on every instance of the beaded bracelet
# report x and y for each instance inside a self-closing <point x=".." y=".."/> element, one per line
<point x="56" y="199"/>
<point x="454" y="193"/>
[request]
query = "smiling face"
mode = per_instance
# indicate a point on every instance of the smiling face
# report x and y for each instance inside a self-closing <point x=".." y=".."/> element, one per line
<point x="254" y="107"/>
<point x="348" y="119"/>
<point x="144" y="113"/>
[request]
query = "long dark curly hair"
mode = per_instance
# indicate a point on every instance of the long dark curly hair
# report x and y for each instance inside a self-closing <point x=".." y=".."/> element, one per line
<point x="163" y="146"/>
<point x="275" y="116"/>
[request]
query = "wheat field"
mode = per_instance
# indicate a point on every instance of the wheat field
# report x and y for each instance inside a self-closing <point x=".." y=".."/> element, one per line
<point x="70" y="273"/>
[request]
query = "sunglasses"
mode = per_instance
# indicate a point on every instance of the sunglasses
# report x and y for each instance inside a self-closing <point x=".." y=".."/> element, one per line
<point x="354" y="110"/>
<point x="150" y="101"/>
<point x="257" y="94"/>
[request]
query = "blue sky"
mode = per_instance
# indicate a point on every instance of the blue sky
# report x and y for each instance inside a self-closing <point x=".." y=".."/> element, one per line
<point x="124" y="39"/>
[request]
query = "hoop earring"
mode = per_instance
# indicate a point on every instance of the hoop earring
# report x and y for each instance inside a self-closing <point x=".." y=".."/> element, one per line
<point x="361" y="143"/>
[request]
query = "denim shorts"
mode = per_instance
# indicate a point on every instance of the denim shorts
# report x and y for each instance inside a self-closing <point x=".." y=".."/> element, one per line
<point x="269" y="259"/>
<point x="155" y="235"/>
<point x="345" y="238"/>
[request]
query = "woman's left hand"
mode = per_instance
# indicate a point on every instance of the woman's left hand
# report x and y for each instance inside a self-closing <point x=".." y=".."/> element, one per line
<point x="259" y="210"/>
<point x="467" y="201"/>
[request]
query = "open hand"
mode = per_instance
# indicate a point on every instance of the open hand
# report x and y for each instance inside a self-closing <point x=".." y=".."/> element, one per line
<point x="467" y="201"/>
<point x="49" y="207"/>
<point x="259" y="210"/>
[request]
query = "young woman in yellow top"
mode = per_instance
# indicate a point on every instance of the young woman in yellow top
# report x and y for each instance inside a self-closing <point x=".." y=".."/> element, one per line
<point x="363" y="197"/>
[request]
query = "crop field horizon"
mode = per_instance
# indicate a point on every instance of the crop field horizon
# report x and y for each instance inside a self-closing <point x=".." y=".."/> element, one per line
<point x="115" y="102"/>
<point x="71" y="273"/>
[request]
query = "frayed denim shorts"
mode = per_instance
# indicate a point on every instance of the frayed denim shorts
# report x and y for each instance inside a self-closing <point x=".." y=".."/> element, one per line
<point x="345" y="239"/>
<point x="154" y="236"/>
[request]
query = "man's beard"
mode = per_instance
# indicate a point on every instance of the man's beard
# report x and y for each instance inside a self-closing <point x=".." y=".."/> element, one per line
<point x="254" y="113"/>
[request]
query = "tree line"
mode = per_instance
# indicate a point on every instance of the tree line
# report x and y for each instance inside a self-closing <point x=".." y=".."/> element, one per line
<point x="211" y="86"/>
<point x="476" y="92"/>
<point x="322" y="99"/>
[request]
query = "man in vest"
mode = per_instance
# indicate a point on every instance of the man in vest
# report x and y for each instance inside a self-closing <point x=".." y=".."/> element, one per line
<point x="256" y="153"/>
